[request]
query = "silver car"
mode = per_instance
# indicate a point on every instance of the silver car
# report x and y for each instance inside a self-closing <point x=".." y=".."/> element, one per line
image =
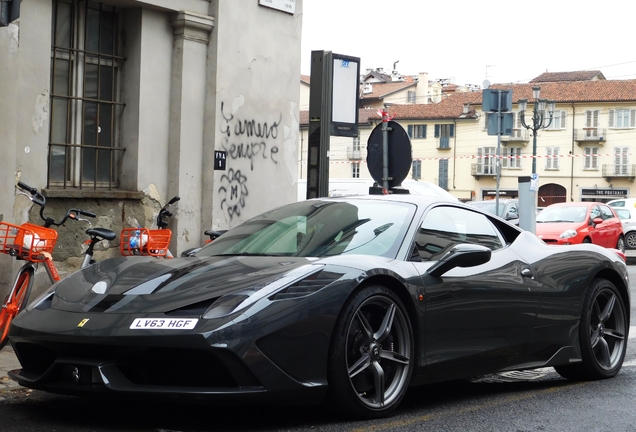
<point x="627" y="215"/>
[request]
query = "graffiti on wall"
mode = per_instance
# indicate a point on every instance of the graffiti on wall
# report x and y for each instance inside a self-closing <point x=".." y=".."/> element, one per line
<point x="251" y="139"/>
<point x="233" y="192"/>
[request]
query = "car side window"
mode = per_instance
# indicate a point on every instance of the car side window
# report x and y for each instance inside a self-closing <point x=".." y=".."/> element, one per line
<point x="513" y="209"/>
<point x="595" y="213"/>
<point x="444" y="227"/>
<point x="606" y="212"/>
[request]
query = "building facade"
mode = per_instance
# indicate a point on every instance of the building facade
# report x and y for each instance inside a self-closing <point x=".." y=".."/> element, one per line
<point x="585" y="153"/>
<point x="116" y="106"/>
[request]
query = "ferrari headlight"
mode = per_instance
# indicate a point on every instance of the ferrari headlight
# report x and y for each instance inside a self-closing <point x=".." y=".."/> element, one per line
<point x="568" y="234"/>
<point x="233" y="302"/>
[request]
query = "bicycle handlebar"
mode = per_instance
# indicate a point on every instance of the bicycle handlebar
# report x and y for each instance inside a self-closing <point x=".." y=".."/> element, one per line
<point x="164" y="213"/>
<point x="40" y="200"/>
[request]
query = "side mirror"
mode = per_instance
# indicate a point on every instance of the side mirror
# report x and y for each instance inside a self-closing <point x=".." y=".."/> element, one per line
<point x="461" y="255"/>
<point x="597" y="221"/>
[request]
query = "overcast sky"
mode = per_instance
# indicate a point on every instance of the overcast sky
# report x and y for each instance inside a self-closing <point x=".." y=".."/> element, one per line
<point x="469" y="41"/>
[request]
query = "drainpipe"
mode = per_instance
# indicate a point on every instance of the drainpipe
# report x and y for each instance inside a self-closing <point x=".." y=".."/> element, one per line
<point x="454" y="152"/>
<point x="572" y="155"/>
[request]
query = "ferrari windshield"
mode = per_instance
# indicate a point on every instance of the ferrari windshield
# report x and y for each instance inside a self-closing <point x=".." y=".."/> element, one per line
<point x="317" y="228"/>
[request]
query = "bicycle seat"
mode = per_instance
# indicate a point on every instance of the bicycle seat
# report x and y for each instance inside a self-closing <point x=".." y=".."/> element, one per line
<point x="104" y="233"/>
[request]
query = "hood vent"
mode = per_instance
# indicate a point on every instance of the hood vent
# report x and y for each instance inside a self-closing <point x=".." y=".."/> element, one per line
<point x="194" y="309"/>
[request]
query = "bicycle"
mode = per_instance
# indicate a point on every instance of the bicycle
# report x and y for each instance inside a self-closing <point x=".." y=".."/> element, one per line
<point x="34" y="244"/>
<point x="149" y="242"/>
<point x="213" y="234"/>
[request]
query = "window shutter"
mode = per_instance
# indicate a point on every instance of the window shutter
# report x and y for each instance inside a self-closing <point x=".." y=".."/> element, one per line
<point x="563" y="114"/>
<point x="436" y="131"/>
<point x="548" y="160"/>
<point x="480" y="160"/>
<point x="555" y="159"/>
<point x="452" y="130"/>
<point x="612" y="114"/>
<point x="632" y="118"/>
<point x="410" y="131"/>
<point x="443" y="174"/>
<point x="423" y="131"/>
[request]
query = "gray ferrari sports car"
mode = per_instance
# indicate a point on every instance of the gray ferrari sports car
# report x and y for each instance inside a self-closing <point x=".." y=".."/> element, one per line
<point x="344" y="300"/>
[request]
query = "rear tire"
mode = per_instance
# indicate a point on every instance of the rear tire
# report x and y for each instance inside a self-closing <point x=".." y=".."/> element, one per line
<point x="15" y="302"/>
<point x="630" y="240"/>
<point x="603" y="332"/>
<point x="371" y="355"/>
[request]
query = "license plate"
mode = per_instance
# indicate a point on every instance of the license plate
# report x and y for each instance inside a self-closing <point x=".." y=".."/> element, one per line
<point x="164" y="323"/>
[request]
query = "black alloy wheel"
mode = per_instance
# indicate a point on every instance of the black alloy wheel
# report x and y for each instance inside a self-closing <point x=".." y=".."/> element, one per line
<point x="603" y="333"/>
<point x="371" y="355"/>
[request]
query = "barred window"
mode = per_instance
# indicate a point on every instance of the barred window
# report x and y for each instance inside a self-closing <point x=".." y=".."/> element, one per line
<point x="86" y="71"/>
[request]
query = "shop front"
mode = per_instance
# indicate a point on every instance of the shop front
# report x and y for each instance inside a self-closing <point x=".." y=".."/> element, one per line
<point x="603" y="194"/>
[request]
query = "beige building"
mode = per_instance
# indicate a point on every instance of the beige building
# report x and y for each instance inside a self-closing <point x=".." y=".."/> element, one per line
<point x="586" y="153"/>
<point x="116" y="106"/>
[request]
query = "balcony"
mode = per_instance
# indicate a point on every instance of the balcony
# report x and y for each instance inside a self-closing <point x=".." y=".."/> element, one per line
<point x="590" y="135"/>
<point x="519" y="136"/>
<point x="354" y="153"/>
<point x="486" y="170"/>
<point x="612" y="171"/>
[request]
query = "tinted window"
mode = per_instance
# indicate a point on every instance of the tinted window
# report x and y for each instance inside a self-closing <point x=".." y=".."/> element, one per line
<point x="444" y="227"/>
<point x="317" y="228"/>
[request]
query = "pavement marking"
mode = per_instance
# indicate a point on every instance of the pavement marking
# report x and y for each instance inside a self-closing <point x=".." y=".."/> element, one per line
<point x="632" y="332"/>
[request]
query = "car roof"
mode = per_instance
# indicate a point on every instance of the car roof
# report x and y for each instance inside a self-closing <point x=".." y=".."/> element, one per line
<point x="410" y="198"/>
<point x="575" y="203"/>
<point x="501" y="200"/>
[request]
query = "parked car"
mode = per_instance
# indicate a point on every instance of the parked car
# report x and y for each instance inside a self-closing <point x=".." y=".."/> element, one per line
<point x="580" y="222"/>
<point x="622" y="203"/>
<point x="421" y="187"/>
<point x="627" y="215"/>
<point x="343" y="300"/>
<point x="508" y="208"/>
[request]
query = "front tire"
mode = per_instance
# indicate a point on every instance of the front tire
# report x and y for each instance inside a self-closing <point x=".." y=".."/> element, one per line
<point x="603" y="332"/>
<point x="371" y="354"/>
<point x="620" y="245"/>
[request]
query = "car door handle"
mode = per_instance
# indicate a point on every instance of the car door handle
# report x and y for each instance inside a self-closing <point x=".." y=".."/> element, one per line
<point x="526" y="272"/>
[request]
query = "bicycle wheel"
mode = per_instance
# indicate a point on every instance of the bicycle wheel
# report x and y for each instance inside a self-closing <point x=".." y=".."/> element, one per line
<point x="14" y="302"/>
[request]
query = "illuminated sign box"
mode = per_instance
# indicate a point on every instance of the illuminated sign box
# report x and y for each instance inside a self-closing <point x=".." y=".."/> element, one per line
<point x="346" y="90"/>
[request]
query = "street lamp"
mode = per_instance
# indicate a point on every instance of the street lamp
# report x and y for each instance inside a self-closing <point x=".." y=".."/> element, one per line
<point x="540" y="119"/>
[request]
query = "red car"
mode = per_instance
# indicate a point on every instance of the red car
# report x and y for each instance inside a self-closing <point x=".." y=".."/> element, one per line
<point x="580" y="222"/>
